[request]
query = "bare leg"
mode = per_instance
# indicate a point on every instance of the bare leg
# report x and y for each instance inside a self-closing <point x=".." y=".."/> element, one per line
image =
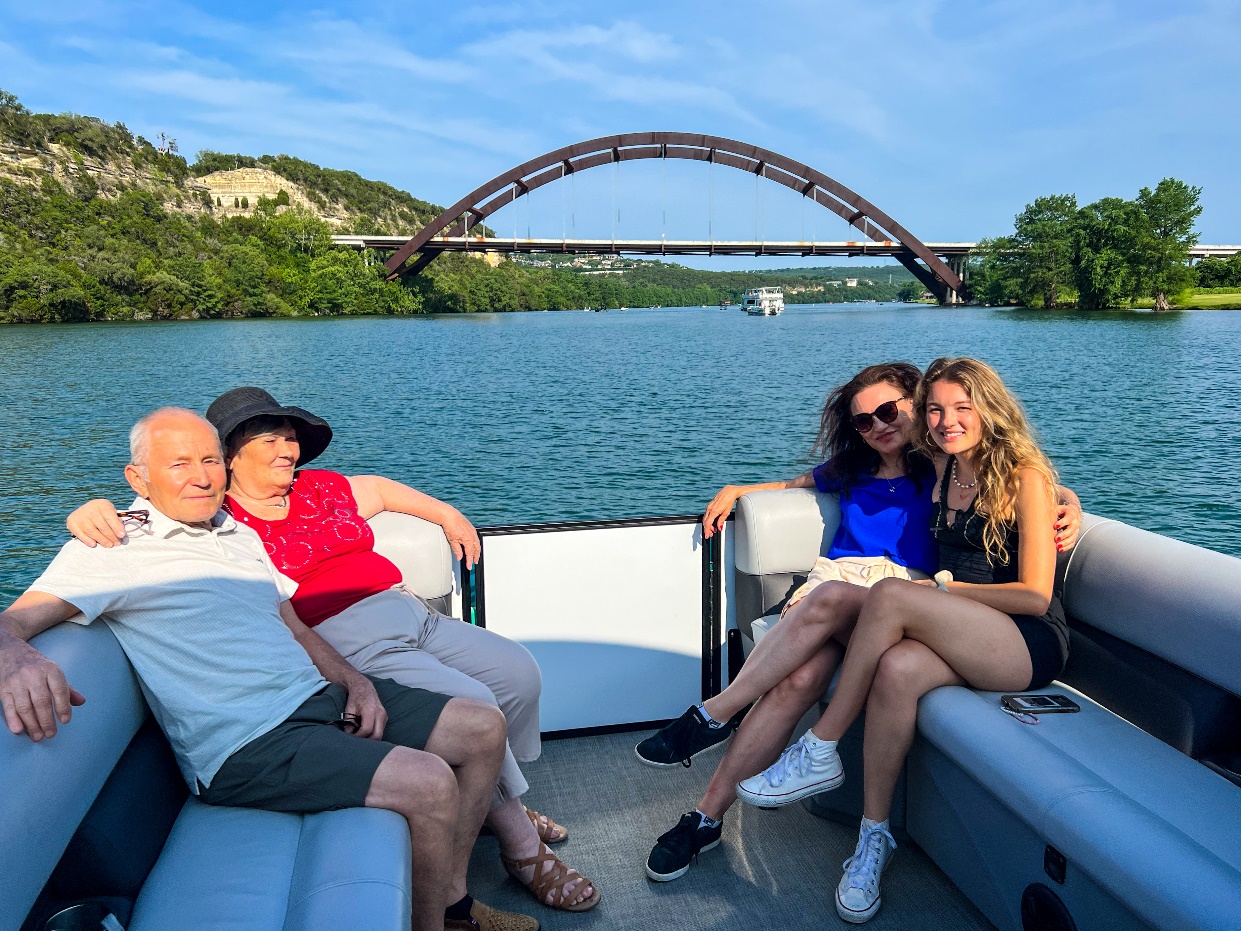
<point x="519" y="839"/>
<point x="982" y="645"/>
<point x="827" y="613"/>
<point x="767" y="728"/>
<point x="469" y="737"/>
<point x="421" y="787"/>
<point x="906" y="672"/>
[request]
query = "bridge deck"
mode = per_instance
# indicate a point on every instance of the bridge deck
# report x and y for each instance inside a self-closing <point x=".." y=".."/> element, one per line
<point x="689" y="247"/>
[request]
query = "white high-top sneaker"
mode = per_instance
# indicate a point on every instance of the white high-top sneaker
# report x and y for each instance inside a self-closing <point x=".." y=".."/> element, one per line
<point x="857" y="894"/>
<point x="799" y="773"/>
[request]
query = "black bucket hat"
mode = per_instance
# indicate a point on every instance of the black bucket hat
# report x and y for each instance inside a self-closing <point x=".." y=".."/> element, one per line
<point x="233" y="408"/>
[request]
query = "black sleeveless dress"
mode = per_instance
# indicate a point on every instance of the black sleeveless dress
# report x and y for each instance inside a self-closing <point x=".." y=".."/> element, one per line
<point x="963" y="553"/>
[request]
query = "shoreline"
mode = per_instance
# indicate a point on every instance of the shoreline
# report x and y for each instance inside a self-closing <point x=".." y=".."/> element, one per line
<point x="857" y="305"/>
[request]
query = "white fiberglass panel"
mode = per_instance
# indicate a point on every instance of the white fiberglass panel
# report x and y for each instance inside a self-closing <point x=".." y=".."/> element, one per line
<point x="613" y="616"/>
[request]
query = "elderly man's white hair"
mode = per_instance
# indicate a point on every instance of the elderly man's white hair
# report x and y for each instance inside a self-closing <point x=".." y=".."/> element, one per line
<point x="140" y="435"/>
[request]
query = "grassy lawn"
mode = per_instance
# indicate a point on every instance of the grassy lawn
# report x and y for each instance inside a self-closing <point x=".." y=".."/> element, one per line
<point x="1228" y="300"/>
<point x="1212" y="300"/>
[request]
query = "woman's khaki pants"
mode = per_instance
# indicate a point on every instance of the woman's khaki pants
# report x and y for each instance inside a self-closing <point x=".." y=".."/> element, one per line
<point x="395" y="635"/>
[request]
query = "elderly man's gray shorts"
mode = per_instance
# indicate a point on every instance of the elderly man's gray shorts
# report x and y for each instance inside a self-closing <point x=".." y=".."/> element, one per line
<point x="308" y="764"/>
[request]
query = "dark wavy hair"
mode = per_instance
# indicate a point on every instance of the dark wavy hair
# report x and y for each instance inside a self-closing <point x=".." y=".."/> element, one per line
<point x="846" y="453"/>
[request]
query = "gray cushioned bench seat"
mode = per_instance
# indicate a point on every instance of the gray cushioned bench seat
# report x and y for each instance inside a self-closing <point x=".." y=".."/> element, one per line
<point x="1142" y="825"/>
<point x="224" y="868"/>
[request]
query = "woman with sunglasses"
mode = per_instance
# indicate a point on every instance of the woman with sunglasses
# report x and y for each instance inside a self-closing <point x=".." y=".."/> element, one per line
<point x="884" y="486"/>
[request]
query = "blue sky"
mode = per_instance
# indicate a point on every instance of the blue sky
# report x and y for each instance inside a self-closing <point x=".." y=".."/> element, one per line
<point x="948" y="115"/>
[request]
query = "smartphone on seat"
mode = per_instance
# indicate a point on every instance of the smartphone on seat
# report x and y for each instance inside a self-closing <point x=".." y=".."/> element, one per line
<point x="1039" y="704"/>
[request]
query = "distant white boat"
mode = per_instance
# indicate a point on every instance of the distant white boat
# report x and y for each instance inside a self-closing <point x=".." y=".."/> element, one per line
<point x="763" y="302"/>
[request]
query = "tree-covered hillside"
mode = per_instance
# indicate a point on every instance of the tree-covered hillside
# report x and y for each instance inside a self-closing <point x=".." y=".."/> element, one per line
<point x="99" y="224"/>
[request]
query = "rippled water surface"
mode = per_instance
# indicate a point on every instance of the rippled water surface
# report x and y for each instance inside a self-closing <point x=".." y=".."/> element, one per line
<point x="533" y="417"/>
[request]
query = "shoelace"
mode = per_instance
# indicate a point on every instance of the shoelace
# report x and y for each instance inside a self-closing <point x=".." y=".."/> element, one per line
<point x="792" y="760"/>
<point x="680" y="735"/>
<point x="683" y="835"/>
<point x="861" y="869"/>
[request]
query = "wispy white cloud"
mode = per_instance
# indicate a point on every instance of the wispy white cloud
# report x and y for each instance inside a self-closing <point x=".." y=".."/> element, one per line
<point x="950" y="109"/>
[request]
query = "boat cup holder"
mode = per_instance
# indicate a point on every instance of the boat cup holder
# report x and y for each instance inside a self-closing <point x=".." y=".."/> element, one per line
<point x="85" y="916"/>
<point x="1043" y="910"/>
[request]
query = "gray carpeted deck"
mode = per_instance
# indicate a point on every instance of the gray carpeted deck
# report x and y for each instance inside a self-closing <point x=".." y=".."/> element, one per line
<point x="775" y="869"/>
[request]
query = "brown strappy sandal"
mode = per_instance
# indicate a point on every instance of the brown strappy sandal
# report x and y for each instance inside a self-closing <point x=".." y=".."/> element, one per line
<point x="551" y="875"/>
<point x="549" y="831"/>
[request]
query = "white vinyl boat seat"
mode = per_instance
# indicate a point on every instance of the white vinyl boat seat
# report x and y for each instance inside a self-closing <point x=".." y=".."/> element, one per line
<point x="100" y="812"/>
<point x="1118" y="822"/>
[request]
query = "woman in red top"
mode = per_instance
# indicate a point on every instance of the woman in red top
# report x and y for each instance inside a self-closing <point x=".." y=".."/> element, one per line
<point x="314" y="525"/>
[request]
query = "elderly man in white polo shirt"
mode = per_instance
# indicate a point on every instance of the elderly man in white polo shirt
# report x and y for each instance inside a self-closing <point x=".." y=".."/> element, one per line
<point x="259" y="710"/>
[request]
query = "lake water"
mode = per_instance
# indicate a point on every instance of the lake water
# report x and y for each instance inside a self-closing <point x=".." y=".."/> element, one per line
<point x="557" y="416"/>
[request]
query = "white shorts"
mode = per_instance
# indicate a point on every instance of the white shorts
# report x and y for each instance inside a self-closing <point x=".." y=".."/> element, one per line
<point x="856" y="570"/>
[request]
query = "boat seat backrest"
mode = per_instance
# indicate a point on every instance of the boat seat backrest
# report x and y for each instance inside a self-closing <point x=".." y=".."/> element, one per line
<point x="1175" y="600"/>
<point x="49" y="786"/>
<point x="779" y="535"/>
<point x="420" y="550"/>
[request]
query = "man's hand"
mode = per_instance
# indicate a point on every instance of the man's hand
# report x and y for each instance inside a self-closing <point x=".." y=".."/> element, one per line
<point x="365" y="704"/>
<point x="96" y="522"/>
<point x="462" y="537"/>
<point x="34" y="692"/>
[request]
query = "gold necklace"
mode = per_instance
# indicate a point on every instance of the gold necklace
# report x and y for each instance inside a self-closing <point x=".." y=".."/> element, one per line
<point x="284" y="501"/>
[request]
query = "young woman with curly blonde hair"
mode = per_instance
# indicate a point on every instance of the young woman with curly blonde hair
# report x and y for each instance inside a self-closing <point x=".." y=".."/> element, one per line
<point x="995" y="625"/>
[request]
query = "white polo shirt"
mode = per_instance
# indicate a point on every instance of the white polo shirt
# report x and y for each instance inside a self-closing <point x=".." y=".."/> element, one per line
<point x="197" y="613"/>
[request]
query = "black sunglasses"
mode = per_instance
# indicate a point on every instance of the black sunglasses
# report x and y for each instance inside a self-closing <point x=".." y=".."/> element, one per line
<point x="886" y="412"/>
<point x="347" y="722"/>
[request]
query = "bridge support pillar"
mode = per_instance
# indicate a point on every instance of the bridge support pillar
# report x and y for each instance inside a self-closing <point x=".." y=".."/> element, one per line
<point x="960" y="266"/>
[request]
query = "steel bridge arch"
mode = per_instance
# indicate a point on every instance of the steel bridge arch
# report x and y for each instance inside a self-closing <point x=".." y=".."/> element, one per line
<point x="505" y="188"/>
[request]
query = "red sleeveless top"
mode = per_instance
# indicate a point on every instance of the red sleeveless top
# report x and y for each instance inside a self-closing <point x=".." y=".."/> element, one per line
<point x="323" y="545"/>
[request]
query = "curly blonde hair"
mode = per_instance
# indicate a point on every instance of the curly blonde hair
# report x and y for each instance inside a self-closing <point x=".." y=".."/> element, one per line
<point x="1007" y="444"/>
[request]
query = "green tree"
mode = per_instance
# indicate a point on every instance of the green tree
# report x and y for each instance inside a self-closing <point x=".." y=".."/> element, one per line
<point x="1105" y="248"/>
<point x="298" y="230"/>
<point x="1162" y="251"/>
<point x="1043" y="239"/>
<point x="910" y="291"/>
<point x="1219" y="273"/>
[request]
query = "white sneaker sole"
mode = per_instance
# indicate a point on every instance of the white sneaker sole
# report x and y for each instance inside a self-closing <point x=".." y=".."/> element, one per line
<point x="677" y="874"/>
<point x="788" y="798"/>
<point x="856" y="918"/>
<point x="651" y="763"/>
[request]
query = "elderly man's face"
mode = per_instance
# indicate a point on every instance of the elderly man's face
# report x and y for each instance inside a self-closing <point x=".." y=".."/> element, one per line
<point x="184" y="475"/>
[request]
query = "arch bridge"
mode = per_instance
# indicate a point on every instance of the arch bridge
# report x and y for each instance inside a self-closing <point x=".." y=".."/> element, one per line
<point x="451" y="229"/>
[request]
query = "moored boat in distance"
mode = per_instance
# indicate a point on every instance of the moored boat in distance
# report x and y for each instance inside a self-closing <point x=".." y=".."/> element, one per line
<point x="763" y="302"/>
